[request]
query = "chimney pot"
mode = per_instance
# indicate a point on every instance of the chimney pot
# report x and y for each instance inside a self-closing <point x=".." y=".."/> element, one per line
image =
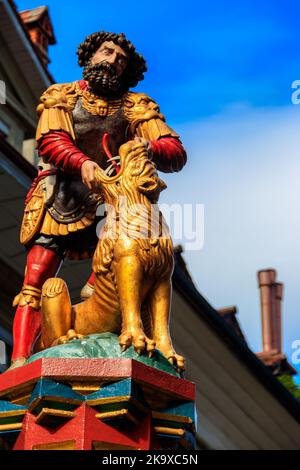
<point x="266" y="277"/>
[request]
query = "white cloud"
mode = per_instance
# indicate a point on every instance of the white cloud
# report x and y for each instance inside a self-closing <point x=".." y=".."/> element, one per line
<point x="244" y="165"/>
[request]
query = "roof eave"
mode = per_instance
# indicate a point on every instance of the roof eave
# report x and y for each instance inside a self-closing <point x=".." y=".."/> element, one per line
<point x="18" y="40"/>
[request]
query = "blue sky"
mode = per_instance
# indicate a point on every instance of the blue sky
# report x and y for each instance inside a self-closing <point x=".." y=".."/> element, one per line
<point x="204" y="55"/>
<point x="221" y="72"/>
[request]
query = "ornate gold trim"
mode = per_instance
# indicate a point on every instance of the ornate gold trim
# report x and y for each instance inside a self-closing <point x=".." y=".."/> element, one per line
<point x="22" y="400"/>
<point x="58" y="101"/>
<point x="99" y="445"/>
<point x="108" y="400"/>
<point x="84" y="388"/>
<point x="115" y="414"/>
<point x="64" y="445"/>
<point x="98" y="106"/>
<point x="33" y="214"/>
<point x="145" y="117"/>
<point x="10" y="427"/>
<point x="154" y="129"/>
<point x="30" y="296"/>
<point x="171" y="431"/>
<point x="52" y="227"/>
<point x="12" y="414"/>
<point x="55" y="109"/>
<point x="49" y="412"/>
<point x="169" y="417"/>
<point x="48" y="398"/>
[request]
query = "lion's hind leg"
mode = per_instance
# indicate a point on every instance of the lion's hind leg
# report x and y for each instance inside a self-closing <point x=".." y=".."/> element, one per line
<point x="56" y="311"/>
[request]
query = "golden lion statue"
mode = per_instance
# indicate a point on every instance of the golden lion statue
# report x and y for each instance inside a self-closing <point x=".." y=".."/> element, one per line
<point x="132" y="265"/>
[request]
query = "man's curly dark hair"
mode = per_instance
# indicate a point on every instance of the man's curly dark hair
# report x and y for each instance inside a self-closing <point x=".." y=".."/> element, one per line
<point x="136" y="66"/>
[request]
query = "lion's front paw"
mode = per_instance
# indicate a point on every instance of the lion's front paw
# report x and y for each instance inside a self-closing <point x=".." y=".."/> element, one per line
<point x="138" y="339"/>
<point x="71" y="334"/>
<point x="175" y="359"/>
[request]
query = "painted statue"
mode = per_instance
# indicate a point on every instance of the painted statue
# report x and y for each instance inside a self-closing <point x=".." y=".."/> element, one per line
<point x="93" y="137"/>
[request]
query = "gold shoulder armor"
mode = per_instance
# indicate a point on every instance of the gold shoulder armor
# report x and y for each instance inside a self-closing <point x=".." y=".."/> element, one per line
<point x="145" y="117"/>
<point x="55" y="109"/>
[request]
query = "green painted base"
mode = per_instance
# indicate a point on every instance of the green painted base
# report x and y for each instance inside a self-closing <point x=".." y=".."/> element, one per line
<point x="104" y="345"/>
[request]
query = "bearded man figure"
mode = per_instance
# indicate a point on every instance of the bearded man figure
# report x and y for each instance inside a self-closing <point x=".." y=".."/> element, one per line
<point x="75" y="120"/>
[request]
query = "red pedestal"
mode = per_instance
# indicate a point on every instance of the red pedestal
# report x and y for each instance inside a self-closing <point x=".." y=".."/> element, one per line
<point x="102" y="404"/>
<point x="83" y="432"/>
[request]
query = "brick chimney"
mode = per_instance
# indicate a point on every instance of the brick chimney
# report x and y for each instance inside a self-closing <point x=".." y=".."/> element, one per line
<point x="38" y="24"/>
<point x="271" y="294"/>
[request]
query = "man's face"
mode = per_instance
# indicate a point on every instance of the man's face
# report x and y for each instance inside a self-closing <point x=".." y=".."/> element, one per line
<point x="112" y="54"/>
<point x="105" y="69"/>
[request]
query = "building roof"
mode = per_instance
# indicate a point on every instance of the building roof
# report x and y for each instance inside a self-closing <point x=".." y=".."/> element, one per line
<point x="25" y="31"/>
<point x="35" y="14"/>
<point x="229" y="315"/>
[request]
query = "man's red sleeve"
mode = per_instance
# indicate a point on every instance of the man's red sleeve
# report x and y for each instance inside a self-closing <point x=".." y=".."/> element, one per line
<point x="168" y="154"/>
<point x="59" y="149"/>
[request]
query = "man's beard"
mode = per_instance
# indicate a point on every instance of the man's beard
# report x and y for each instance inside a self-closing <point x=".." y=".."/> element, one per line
<point x="103" y="79"/>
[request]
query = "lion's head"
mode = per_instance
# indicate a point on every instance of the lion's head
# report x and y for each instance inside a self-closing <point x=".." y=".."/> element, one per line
<point x="138" y="175"/>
